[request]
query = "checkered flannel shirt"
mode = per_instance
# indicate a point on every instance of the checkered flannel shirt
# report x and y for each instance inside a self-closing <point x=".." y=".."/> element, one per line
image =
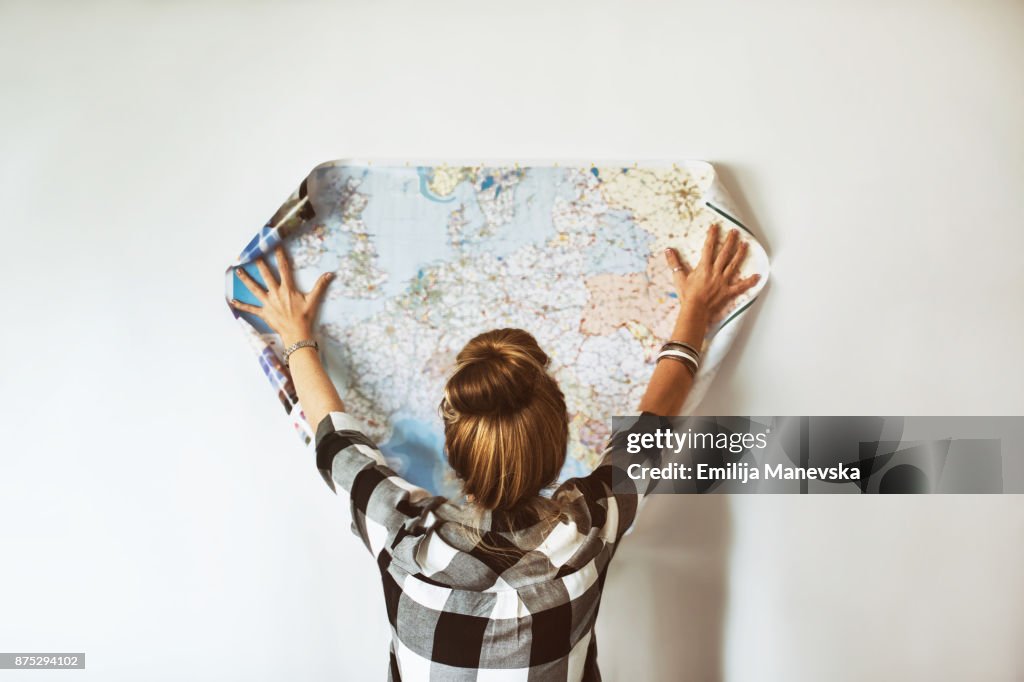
<point x="459" y="612"/>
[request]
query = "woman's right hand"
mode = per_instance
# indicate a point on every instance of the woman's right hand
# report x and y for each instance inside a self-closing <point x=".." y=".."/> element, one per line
<point x="715" y="282"/>
<point x="705" y="293"/>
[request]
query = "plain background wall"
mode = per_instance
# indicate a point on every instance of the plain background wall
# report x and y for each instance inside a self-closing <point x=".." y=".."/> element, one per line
<point x="157" y="512"/>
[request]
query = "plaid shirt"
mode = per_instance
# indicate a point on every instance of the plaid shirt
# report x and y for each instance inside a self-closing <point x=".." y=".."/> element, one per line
<point x="459" y="612"/>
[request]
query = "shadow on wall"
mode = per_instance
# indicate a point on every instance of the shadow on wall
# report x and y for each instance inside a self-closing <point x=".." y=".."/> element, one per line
<point x="663" y="611"/>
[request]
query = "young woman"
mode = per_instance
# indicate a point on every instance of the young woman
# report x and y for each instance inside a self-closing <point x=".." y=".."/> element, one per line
<point x="506" y="586"/>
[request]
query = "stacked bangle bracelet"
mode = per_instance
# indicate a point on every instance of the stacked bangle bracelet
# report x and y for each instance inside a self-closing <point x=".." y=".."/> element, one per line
<point x="681" y="352"/>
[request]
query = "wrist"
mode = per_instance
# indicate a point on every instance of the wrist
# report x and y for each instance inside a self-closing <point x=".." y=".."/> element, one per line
<point x="295" y="334"/>
<point x="694" y="308"/>
<point x="692" y="322"/>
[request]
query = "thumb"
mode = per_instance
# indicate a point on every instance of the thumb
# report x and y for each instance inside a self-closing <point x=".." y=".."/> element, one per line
<point x="677" y="267"/>
<point x="316" y="295"/>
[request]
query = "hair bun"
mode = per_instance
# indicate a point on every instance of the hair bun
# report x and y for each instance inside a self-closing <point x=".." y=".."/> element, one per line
<point x="496" y="373"/>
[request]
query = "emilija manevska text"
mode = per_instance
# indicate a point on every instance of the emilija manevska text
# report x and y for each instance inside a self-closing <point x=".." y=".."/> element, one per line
<point x="667" y="439"/>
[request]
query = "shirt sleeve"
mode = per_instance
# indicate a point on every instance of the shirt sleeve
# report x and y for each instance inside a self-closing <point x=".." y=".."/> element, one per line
<point x="384" y="505"/>
<point x="613" y="499"/>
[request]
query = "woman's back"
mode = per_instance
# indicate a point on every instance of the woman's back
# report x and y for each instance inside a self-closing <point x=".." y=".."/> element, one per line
<point x="471" y="595"/>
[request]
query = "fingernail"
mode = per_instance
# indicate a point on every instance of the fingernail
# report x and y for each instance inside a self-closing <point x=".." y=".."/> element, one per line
<point x="238" y="271"/>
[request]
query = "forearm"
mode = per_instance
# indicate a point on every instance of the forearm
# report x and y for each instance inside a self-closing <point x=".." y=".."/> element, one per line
<point x="671" y="381"/>
<point x="316" y="391"/>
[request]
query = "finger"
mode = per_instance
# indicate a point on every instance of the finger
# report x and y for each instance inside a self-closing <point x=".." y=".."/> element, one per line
<point x="733" y="268"/>
<point x="707" y="256"/>
<point x="675" y="262"/>
<point x="316" y="295"/>
<point x="725" y="254"/>
<point x="266" y="274"/>
<point x="284" y="268"/>
<point x="252" y="285"/>
<point x="743" y="285"/>
<point x="245" y="307"/>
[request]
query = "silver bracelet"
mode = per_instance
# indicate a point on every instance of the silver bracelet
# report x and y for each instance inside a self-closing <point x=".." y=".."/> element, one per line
<point x="297" y="345"/>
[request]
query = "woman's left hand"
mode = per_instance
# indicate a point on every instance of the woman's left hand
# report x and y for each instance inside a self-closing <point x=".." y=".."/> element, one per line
<point x="287" y="311"/>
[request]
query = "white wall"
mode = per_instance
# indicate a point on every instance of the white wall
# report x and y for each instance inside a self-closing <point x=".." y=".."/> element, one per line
<point x="157" y="512"/>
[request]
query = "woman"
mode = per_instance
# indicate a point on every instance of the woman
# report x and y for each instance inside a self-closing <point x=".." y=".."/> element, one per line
<point x="506" y="586"/>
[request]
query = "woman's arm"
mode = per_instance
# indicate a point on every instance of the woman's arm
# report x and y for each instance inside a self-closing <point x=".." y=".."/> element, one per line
<point x="382" y="502"/>
<point x="704" y="292"/>
<point x="290" y="313"/>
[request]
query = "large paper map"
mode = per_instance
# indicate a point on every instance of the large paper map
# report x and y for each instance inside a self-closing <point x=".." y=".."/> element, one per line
<point x="427" y="256"/>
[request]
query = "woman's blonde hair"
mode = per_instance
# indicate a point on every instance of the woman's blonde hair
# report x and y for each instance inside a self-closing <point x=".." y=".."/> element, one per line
<point x="506" y="423"/>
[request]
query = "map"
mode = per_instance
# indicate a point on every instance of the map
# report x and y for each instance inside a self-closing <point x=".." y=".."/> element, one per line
<point x="428" y="256"/>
